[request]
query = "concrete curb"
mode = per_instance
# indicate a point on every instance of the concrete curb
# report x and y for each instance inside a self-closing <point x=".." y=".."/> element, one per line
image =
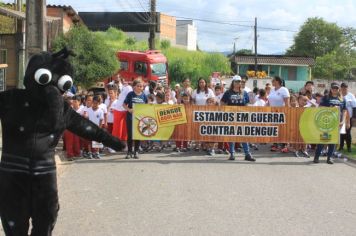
<point x="349" y="159"/>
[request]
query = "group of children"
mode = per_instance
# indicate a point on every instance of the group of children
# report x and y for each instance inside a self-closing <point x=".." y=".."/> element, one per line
<point x="92" y="107"/>
<point x="116" y="109"/>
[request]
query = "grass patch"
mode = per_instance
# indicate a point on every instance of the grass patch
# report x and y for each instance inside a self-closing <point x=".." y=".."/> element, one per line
<point x="351" y="154"/>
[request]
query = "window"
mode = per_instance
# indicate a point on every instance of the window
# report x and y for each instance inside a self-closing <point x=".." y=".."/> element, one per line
<point x="159" y="69"/>
<point x="140" y="68"/>
<point x="124" y="65"/>
<point x="3" y="56"/>
<point x="292" y="73"/>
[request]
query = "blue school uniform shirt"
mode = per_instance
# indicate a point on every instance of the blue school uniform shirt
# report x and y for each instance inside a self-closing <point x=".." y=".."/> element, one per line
<point x="132" y="98"/>
<point x="232" y="98"/>
<point x="329" y="101"/>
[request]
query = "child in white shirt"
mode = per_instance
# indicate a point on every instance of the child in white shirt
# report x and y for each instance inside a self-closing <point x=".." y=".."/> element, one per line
<point x="95" y="115"/>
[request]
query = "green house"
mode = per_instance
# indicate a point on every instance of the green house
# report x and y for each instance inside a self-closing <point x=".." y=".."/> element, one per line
<point x="294" y="70"/>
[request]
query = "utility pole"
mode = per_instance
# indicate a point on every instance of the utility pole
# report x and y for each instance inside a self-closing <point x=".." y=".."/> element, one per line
<point x="235" y="39"/>
<point x="237" y="67"/>
<point x="20" y="46"/>
<point x="36" y="36"/>
<point x="256" y="46"/>
<point x="19" y="5"/>
<point x="151" y="39"/>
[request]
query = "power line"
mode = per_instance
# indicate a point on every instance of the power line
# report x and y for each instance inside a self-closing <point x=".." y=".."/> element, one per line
<point x="211" y="21"/>
<point x="205" y="11"/>
<point x="145" y="10"/>
<point x="234" y="24"/>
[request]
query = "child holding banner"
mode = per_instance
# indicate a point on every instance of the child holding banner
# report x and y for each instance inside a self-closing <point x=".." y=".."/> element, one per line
<point x="235" y="96"/>
<point x="135" y="96"/>
<point x="211" y="145"/>
<point x="333" y="99"/>
<point x="182" y="146"/>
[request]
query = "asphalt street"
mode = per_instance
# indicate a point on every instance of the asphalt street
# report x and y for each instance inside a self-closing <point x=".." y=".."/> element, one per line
<point x="194" y="194"/>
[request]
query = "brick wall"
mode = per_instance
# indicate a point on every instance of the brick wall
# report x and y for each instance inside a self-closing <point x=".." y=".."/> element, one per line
<point x="168" y="27"/>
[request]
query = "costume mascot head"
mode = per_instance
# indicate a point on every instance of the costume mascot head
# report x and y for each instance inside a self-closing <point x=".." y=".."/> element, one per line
<point x="33" y="120"/>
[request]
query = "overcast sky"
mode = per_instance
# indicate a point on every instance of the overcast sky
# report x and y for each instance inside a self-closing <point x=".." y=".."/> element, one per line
<point x="283" y="15"/>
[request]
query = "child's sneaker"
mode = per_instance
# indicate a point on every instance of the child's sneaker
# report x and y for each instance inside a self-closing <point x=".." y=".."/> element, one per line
<point x="111" y="150"/>
<point x="136" y="156"/>
<point x="296" y="154"/>
<point x="96" y="155"/>
<point x="274" y="148"/>
<point x="248" y="157"/>
<point x="284" y="150"/>
<point x="89" y="155"/>
<point x="254" y="146"/>
<point x="219" y="151"/>
<point x="85" y="154"/>
<point x="306" y="154"/>
<point x="211" y="152"/>
<point x="128" y="155"/>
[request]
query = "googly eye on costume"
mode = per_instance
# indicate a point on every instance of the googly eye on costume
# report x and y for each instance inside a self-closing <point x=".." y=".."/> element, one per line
<point x="43" y="76"/>
<point x="65" y="82"/>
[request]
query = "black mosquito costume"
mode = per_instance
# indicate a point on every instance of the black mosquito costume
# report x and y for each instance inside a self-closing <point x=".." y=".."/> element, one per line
<point x="33" y="120"/>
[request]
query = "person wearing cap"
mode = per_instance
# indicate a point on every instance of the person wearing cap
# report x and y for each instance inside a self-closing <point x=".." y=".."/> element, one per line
<point x="333" y="99"/>
<point x="350" y="102"/>
<point x="236" y="77"/>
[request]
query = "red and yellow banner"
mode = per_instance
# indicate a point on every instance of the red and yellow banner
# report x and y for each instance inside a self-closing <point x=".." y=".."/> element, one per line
<point x="236" y="124"/>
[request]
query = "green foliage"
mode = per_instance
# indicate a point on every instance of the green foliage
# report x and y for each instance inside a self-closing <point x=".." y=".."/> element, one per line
<point x="95" y="60"/>
<point x="118" y="40"/>
<point x="93" y="47"/>
<point x="335" y="65"/>
<point x="195" y="64"/>
<point x="244" y="52"/>
<point x="332" y="47"/>
<point x="165" y="44"/>
<point x="130" y="41"/>
<point x="316" y="38"/>
<point x="182" y="63"/>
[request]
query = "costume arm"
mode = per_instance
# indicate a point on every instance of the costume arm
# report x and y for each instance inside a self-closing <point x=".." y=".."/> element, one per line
<point x="88" y="130"/>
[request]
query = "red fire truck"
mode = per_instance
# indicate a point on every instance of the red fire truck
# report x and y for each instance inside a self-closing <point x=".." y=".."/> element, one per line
<point x="149" y="65"/>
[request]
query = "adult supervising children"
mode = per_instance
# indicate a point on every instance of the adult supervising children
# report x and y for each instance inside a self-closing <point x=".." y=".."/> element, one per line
<point x="278" y="97"/>
<point x="235" y="96"/>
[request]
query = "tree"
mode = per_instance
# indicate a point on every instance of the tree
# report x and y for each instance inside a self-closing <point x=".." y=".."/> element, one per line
<point x="95" y="60"/>
<point x="7" y="24"/>
<point x="244" y="52"/>
<point x="316" y="38"/>
<point x="182" y="63"/>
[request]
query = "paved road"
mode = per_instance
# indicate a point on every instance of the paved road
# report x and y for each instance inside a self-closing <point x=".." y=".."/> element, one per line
<point x="178" y="194"/>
